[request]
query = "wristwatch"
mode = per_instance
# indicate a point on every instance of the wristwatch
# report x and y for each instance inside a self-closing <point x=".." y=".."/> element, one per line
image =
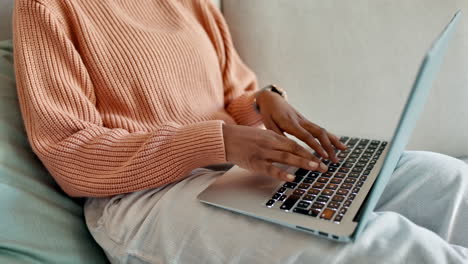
<point x="271" y="88"/>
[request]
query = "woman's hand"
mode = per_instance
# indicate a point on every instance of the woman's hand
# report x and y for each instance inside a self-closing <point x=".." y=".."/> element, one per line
<point x="281" y="117"/>
<point x="255" y="149"/>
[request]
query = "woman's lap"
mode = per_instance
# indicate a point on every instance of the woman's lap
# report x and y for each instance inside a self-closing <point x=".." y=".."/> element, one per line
<point x="169" y="225"/>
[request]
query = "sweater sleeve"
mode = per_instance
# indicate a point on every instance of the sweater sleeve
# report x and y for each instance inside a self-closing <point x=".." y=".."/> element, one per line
<point x="66" y="131"/>
<point x="240" y="83"/>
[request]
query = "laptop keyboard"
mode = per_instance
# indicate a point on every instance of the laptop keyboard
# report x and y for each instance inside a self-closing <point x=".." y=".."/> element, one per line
<point x="328" y="195"/>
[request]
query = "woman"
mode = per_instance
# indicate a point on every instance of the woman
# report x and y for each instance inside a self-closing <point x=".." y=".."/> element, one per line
<point x="125" y="102"/>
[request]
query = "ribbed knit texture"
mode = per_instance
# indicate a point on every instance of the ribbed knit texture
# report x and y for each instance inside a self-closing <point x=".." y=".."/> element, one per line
<point x="119" y="96"/>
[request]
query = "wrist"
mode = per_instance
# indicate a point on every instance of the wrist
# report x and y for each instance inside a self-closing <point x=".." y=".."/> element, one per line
<point x="267" y="93"/>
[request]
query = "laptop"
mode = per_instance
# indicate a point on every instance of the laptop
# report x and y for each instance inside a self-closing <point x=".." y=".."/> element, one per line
<point x="335" y="204"/>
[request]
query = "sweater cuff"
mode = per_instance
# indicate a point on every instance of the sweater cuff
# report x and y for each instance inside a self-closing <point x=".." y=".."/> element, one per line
<point x="243" y="111"/>
<point x="200" y="144"/>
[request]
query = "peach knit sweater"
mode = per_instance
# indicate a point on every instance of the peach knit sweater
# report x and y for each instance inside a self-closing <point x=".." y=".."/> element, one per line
<point x="119" y="96"/>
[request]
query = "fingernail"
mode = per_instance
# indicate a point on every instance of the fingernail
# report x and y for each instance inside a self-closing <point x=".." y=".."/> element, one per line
<point x="290" y="177"/>
<point x="323" y="166"/>
<point x="313" y="165"/>
<point x="325" y="155"/>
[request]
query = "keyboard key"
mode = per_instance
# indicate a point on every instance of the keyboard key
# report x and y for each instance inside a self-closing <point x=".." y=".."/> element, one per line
<point x="314" y="212"/>
<point x="304" y="186"/>
<point x="364" y="160"/>
<point x="363" y="178"/>
<point x="351" y="197"/>
<point x="353" y="175"/>
<point x="375" y="142"/>
<point x="347" y="203"/>
<point x="297" y="179"/>
<point x="361" y="164"/>
<point x="343" y="211"/>
<point x="343" y="170"/>
<point x="350" y="180"/>
<point x="354" y="155"/>
<point x="301" y="211"/>
<point x="281" y="190"/>
<point x="289" y="203"/>
<point x="342" y="155"/>
<point x="351" y="160"/>
<point x="290" y="185"/>
<point x="322" y="180"/>
<point x="357" y="169"/>
<point x="340" y="175"/>
<point x="334" y="205"/>
<point x="344" y="139"/>
<point x="336" y="180"/>
<point x="298" y="192"/>
<point x="318" y="185"/>
<point x="327" y="192"/>
<point x="384" y="143"/>
<point x="309" y="197"/>
<point x="313" y="191"/>
<point x="303" y="204"/>
<point x="270" y="203"/>
<point x="357" y="151"/>
<point x="327" y="214"/>
<point x="348" y="165"/>
<point x="338" y="198"/>
<point x="282" y="198"/>
<point x="308" y="181"/>
<point x="318" y="205"/>
<point x="342" y="192"/>
<point x="331" y="169"/>
<point x="360" y="184"/>
<point x="334" y="165"/>
<point x="370" y="167"/>
<point x="356" y="190"/>
<point x="332" y="186"/>
<point x="338" y="218"/>
<point x="347" y="186"/>
<point x="366" y="172"/>
<point x="327" y="174"/>
<point x="301" y="172"/>
<point x="276" y="196"/>
<point x="322" y="199"/>
<point x="313" y="174"/>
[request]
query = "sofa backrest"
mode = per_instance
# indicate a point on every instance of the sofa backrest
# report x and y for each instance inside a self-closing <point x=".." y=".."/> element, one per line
<point x="349" y="65"/>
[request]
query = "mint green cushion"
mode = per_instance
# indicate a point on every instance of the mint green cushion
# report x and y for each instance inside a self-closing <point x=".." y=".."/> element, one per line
<point x="38" y="222"/>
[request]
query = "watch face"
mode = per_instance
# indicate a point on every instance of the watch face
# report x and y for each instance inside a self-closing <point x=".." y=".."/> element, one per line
<point x="278" y="90"/>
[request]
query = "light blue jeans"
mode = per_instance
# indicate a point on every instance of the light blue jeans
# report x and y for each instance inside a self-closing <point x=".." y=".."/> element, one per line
<point x="422" y="217"/>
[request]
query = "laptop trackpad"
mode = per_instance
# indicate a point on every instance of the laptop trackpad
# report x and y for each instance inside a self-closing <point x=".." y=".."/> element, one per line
<point x="239" y="185"/>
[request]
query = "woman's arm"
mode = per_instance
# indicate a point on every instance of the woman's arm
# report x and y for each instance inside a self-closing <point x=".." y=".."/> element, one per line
<point x="67" y="132"/>
<point x="240" y="83"/>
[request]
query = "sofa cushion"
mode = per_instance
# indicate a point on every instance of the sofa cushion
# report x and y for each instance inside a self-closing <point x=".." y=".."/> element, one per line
<point x="38" y="222"/>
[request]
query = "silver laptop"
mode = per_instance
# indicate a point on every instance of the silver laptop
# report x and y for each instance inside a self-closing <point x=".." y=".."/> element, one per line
<point x="335" y="204"/>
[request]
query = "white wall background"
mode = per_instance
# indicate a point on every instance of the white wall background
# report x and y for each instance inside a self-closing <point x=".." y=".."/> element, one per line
<point x="349" y="65"/>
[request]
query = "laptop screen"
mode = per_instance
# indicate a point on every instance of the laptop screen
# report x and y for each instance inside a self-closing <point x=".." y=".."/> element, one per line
<point x="411" y="112"/>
